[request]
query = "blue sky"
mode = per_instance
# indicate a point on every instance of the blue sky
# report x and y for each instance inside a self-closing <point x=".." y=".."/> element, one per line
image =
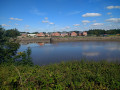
<point x="59" y="15"/>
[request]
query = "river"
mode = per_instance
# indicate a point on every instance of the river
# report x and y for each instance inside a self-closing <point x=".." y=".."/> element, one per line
<point x="48" y="53"/>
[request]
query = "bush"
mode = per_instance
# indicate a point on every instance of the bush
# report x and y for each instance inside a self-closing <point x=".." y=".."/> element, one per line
<point x="70" y="75"/>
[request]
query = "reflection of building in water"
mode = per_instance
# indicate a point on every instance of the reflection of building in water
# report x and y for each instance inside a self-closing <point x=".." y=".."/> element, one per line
<point x="41" y="44"/>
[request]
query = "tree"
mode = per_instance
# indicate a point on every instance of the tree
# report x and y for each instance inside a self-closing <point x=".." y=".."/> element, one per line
<point x="97" y="32"/>
<point x="113" y="31"/>
<point x="35" y="33"/>
<point x="2" y="31"/>
<point x="12" y="33"/>
<point x="8" y="49"/>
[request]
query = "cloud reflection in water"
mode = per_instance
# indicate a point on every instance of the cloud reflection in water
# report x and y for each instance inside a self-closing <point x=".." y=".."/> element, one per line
<point x="91" y="53"/>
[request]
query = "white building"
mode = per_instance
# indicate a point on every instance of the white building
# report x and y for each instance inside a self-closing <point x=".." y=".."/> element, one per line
<point x="31" y="35"/>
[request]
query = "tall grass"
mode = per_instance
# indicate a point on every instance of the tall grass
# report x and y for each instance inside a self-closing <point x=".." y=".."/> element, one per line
<point x="71" y="75"/>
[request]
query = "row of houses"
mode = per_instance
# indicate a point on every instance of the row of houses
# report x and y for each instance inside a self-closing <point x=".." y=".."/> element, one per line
<point x="63" y="34"/>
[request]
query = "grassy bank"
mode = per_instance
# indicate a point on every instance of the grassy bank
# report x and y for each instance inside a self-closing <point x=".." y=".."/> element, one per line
<point x="87" y="38"/>
<point x="64" y="39"/>
<point x="66" y="75"/>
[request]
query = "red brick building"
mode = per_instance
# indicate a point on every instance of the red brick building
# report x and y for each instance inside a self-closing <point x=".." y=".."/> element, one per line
<point x="24" y="35"/>
<point x="64" y="34"/>
<point x="48" y="35"/>
<point x="56" y="34"/>
<point x="73" y="34"/>
<point x="40" y="34"/>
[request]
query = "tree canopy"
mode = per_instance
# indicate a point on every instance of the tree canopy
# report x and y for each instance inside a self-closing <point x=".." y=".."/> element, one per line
<point x="99" y="32"/>
<point x="8" y="49"/>
<point x="12" y="33"/>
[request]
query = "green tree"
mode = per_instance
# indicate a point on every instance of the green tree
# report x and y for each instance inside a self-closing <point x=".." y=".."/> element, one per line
<point x="8" y="49"/>
<point x="97" y="32"/>
<point x="113" y="31"/>
<point x="12" y="33"/>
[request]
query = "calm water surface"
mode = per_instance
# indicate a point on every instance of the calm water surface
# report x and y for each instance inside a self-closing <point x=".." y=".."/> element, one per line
<point x="46" y="53"/>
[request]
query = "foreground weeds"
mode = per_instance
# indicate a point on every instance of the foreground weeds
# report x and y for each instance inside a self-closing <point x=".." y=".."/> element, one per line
<point x="72" y="75"/>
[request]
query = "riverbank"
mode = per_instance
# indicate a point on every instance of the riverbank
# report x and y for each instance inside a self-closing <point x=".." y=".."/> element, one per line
<point x="64" y="76"/>
<point x="66" y="39"/>
<point x="34" y="39"/>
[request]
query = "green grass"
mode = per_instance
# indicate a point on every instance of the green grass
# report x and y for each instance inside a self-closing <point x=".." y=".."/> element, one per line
<point x="72" y="75"/>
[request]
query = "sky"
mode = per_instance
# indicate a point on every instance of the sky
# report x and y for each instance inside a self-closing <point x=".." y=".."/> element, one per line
<point x="59" y="15"/>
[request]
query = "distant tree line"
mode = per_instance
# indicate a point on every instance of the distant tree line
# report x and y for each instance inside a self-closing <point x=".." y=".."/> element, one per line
<point x="99" y="32"/>
<point x="96" y="32"/>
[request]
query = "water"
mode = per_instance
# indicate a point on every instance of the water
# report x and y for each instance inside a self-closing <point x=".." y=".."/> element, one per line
<point x="46" y="53"/>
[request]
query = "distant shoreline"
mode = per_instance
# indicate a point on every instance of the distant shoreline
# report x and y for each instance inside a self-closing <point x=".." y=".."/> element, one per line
<point x="59" y="39"/>
<point x="67" y="39"/>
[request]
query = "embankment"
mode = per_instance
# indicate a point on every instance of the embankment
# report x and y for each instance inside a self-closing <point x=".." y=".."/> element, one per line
<point x="34" y="39"/>
<point x="64" y="39"/>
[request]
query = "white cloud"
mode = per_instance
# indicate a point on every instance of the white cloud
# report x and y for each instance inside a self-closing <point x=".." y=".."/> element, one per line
<point x="113" y="48"/>
<point x="67" y="27"/>
<point x="76" y="27"/>
<point x="27" y="25"/>
<point x="46" y="18"/>
<point x="9" y="21"/>
<point x="45" y="21"/>
<point x="15" y="19"/>
<point x="16" y="24"/>
<point x="5" y="25"/>
<point x="109" y="13"/>
<point x="97" y="24"/>
<point x="76" y="24"/>
<point x="51" y="23"/>
<point x="113" y="7"/>
<point x="117" y="20"/>
<point x="62" y="28"/>
<point x="74" y="12"/>
<point x="37" y="12"/>
<point x="85" y="22"/>
<point x="111" y="16"/>
<point x="27" y="30"/>
<point x="91" y="53"/>
<point x="91" y="14"/>
<point x="94" y="21"/>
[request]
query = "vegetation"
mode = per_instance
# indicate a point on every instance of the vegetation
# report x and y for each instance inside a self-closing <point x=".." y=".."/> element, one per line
<point x="99" y="32"/>
<point x="8" y="33"/>
<point x="8" y="49"/>
<point x="12" y="33"/>
<point x="18" y="72"/>
<point x="72" y="75"/>
<point x="91" y="32"/>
